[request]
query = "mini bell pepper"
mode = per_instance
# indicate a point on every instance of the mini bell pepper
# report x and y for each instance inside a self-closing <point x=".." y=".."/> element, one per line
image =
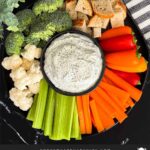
<point x="124" y="58"/>
<point x="132" y="78"/>
<point x="120" y="43"/>
<point x="115" y="32"/>
<point x="137" y="68"/>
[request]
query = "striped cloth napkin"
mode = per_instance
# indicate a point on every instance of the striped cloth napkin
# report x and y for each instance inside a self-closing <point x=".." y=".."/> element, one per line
<point x="140" y="11"/>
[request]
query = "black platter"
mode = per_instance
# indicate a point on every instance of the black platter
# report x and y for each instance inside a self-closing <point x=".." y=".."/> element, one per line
<point x="15" y="129"/>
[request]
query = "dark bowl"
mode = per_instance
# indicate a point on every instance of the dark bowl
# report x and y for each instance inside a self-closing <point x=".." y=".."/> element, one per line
<point x="49" y="81"/>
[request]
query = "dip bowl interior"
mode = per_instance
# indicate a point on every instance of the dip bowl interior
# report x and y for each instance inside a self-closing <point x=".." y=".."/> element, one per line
<point x="50" y="82"/>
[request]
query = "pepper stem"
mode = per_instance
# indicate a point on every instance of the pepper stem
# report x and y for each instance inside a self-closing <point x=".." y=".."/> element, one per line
<point x="139" y="83"/>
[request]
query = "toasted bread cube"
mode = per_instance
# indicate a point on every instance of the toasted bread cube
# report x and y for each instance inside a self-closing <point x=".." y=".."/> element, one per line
<point x="103" y="8"/>
<point x="97" y="32"/>
<point x="83" y="17"/>
<point x="70" y="8"/>
<point x="85" y="7"/>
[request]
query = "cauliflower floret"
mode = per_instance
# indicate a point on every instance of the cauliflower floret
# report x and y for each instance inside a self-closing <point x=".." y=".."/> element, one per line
<point x="35" y="67"/>
<point x="31" y="78"/>
<point x="12" y="62"/>
<point x="31" y="52"/>
<point x="18" y="73"/>
<point x="35" y="77"/>
<point x="22" y="83"/>
<point x="26" y="64"/>
<point x="34" y="88"/>
<point x="21" y="99"/>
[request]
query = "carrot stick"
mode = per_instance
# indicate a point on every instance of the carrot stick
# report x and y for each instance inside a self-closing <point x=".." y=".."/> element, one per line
<point x="121" y="94"/>
<point x="116" y="100"/>
<point x="116" y="32"/>
<point x="93" y="122"/>
<point x="134" y="92"/>
<point x="119" y="113"/>
<point x="104" y="104"/>
<point x="81" y="115"/>
<point x="106" y="80"/>
<point x="120" y="118"/>
<point x="126" y="105"/>
<point x="96" y="118"/>
<point x="130" y="102"/>
<point x="87" y="116"/>
<point x="107" y="121"/>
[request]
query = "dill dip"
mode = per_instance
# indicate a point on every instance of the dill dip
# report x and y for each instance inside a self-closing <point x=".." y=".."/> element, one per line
<point x="73" y="63"/>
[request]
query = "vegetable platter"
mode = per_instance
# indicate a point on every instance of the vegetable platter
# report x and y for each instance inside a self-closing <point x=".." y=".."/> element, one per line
<point x="46" y="110"/>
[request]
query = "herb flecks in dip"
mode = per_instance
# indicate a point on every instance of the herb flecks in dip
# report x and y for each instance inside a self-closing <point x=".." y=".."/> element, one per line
<point x="73" y="63"/>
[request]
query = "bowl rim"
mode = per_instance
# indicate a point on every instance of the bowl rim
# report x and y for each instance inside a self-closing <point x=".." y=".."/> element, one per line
<point x="49" y="81"/>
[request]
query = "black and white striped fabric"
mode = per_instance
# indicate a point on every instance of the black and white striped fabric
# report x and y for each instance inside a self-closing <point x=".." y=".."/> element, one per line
<point x="140" y="11"/>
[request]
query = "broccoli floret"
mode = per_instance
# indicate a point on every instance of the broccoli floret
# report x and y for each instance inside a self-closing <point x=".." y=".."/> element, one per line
<point x="41" y="30"/>
<point x="47" y="6"/>
<point x="47" y="24"/>
<point x="31" y="40"/>
<point x="59" y="19"/>
<point x="1" y="31"/>
<point x="14" y="42"/>
<point x="25" y="18"/>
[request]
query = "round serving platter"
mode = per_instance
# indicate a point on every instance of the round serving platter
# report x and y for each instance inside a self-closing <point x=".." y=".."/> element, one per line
<point x="18" y="129"/>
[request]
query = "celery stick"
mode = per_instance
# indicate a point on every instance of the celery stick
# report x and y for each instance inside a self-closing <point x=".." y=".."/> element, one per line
<point x="31" y="112"/>
<point x="75" y="131"/>
<point x="63" y="117"/>
<point x="41" y="102"/>
<point x="49" y="113"/>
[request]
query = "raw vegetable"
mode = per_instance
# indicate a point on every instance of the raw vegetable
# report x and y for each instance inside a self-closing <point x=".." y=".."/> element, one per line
<point x="55" y="114"/>
<point x="115" y="91"/>
<point x="102" y="103"/>
<point x="124" y="59"/>
<point x="47" y="6"/>
<point x="86" y="110"/>
<point x="13" y="43"/>
<point x="6" y="15"/>
<point x="41" y="103"/>
<point x="25" y="18"/>
<point x="140" y="67"/>
<point x="107" y="121"/>
<point x="75" y="130"/>
<point x="134" y="92"/>
<point x="130" y="102"/>
<point x="49" y="113"/>
<point x="63" y="117"/>
<point x="119" y="31"/>
<point x="31" y="113"/>
<point x="120" y="43"/>
<point x="132" y="78"/>
<point x="97" y="120"/>
<point x="81" y="115"/>
<point x="47" y="24"/>
<point x="1" y="31"/>
<point x="119" y="114"/>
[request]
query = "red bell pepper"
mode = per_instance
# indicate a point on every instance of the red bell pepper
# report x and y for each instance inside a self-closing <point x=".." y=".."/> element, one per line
<point x="120" y="43"/>
<point x="132" y="78"/>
